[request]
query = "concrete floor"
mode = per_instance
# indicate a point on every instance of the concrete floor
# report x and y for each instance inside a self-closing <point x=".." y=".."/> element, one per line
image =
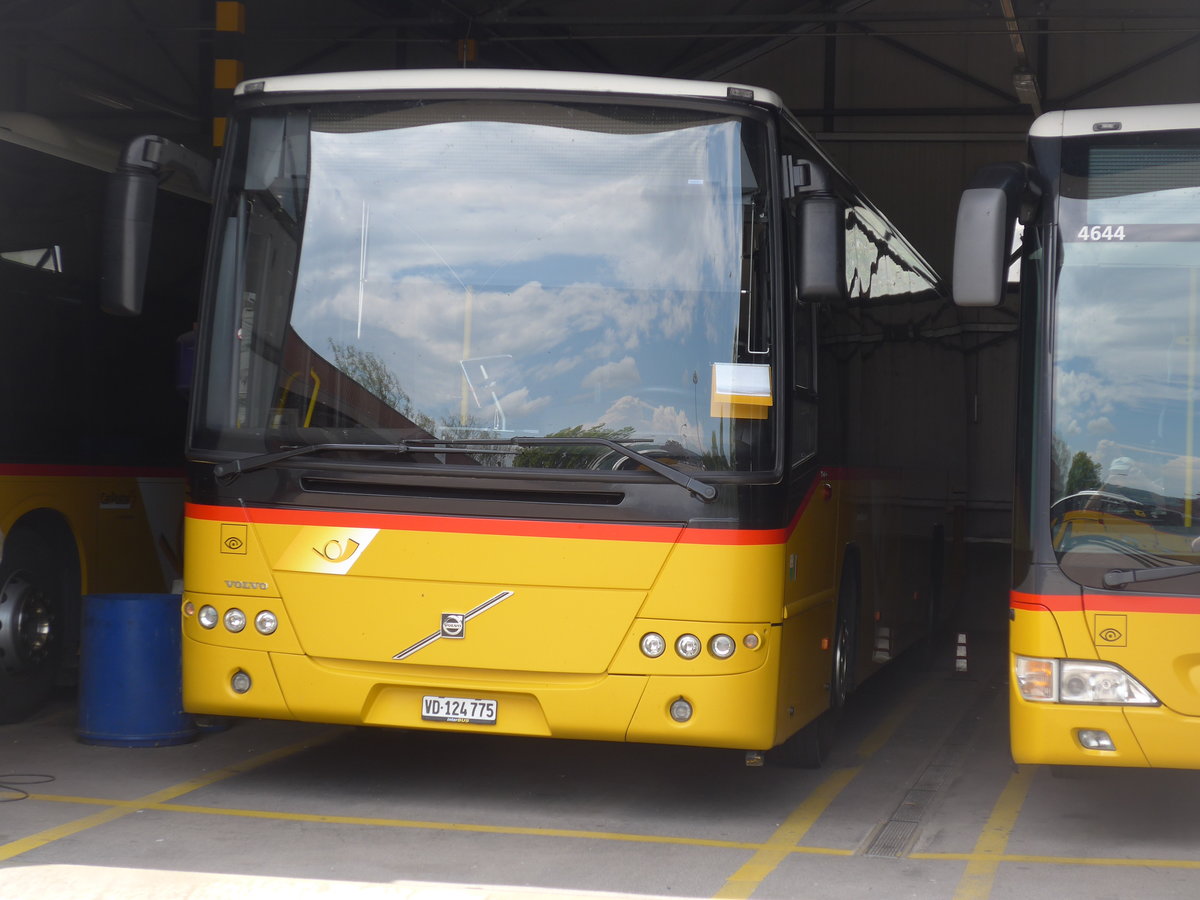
<point x="919" y="800"/>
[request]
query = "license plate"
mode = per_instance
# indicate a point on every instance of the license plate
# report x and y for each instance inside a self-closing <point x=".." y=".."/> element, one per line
<point x="458" y="709"/>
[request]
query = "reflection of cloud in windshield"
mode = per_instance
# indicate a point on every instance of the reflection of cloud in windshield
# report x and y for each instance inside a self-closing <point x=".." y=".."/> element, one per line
<point x="552" y="246"/>
<point x="665" y="422"/>
<point x="519" y="403"/>
<point x="618" y="375"/>
<point x="1181" y="477"/>
<point x="476" y="202"/>
<point x="1122" y="354"/>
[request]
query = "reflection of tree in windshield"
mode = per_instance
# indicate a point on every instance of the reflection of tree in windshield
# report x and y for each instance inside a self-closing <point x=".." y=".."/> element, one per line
<point x="373" y="375"/>
<point x="1084" y="473"/>
<point x="568" y="456"/>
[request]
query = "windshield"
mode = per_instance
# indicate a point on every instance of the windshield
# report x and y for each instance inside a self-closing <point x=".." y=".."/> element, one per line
<point x="1126" y="364"/>
<point x="495" y="270"/>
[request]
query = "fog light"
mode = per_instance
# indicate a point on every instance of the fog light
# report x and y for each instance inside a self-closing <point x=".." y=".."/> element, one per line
<point x="1095" y="740"/>
<point x="240" y="682"/>
<point x="681" y="710"/>
<point x="722" y="646"/>
<point x="653" y="644"/>
<point x="688" y="646"/>
<point x="208" y="616"/>
<point x="235" y="620"/>
<point x="266" y="622"/>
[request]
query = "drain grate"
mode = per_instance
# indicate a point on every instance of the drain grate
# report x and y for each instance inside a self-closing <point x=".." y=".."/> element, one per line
<point x="913" y="806"/>
<point x="932" y="778"/>
<point x="897" y="834"/>
<point x="892" y="839"/>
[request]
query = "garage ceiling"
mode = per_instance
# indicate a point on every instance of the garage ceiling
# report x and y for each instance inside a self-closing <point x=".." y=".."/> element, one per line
<point x="120" y="66"/>
<point x="910" y="95"/>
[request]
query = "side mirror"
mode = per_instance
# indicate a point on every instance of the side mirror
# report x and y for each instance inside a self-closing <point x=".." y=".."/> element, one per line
<point x="822" y="248"/>
<point x="147" y="162"/>
<point x="995" y="199"/>
<point x="128" y="223"/>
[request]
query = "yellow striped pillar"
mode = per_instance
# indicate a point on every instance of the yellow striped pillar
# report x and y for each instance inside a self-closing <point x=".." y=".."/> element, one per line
<point x="229" y="38"/>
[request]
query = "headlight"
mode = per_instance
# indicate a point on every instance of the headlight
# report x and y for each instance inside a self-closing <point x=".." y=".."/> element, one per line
<point x="653" y="644"/>
<point x="266" y="622"/>
<point x="1090" y="682"/>
<point x="208" y="616"/>
<point x="722" y="646"/>
<point x="1079" y="681"/>
<point x="688" y="646"/>
<point x="235" y="620"/>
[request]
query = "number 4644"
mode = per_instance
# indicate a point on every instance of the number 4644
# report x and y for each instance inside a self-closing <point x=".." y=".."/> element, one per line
<point x="1101" y="233"/>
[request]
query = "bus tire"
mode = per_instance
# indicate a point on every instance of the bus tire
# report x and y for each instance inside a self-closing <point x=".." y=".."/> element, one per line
<point x="33" y="611"/>
<point x="809" y="747"/>
<point x="845" y="638"/>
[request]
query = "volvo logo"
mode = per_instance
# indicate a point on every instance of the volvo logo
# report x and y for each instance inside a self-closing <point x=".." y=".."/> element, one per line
<point x="454" y="625"/>
<point x="247" y="585"/>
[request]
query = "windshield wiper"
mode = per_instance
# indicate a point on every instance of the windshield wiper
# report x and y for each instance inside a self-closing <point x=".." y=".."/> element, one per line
<point x="1121" y="577"/>
<point x="249" y="463"/>
<point x="701" y="489"/>
<point x="695" y="486"/>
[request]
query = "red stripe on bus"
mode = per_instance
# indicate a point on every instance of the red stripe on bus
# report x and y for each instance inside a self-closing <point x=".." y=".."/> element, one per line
<point x="447" y="524"/>
<point x="1138" y="603"/>
<point x="1044" y="602"/>
<point x="602" y="531"/>
<point x="1107" y="603"/>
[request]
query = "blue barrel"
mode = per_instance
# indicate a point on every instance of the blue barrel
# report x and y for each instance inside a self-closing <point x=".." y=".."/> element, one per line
<point x="130" y="674"/>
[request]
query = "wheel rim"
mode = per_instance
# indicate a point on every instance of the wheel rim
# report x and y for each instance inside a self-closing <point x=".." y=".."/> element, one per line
<point x="841" y="666"/>
<point x="26" y="623"/>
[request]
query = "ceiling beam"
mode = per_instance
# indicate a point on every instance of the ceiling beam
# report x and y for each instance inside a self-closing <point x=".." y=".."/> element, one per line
<point x="1024" y="79"/>
<point x="943" y="67"/>
<point x="722" y="63"/>
<point x="1129" y="70"/>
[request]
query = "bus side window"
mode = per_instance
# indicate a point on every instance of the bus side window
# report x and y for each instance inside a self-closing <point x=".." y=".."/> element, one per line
<point x="803" y="430"/>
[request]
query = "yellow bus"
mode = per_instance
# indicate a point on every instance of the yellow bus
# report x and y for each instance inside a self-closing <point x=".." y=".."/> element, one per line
<point x="1106" y="566"/>
<point x="91" y="461"/>
<point x="559" y="404"/>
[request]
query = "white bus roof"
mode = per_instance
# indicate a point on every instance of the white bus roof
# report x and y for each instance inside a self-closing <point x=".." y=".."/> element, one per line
<point x="502" y="80"/>
<point x="1118" y="119"/>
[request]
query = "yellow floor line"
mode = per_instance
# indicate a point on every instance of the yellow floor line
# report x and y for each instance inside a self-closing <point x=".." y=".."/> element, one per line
<point x="428" y="825"/>
<point x="1063" y="860"/>
<point x="976" y="882"/>
<point x="118" y="808"/>
<point x="780" y="845"/>
<point x="795" y="826"/>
